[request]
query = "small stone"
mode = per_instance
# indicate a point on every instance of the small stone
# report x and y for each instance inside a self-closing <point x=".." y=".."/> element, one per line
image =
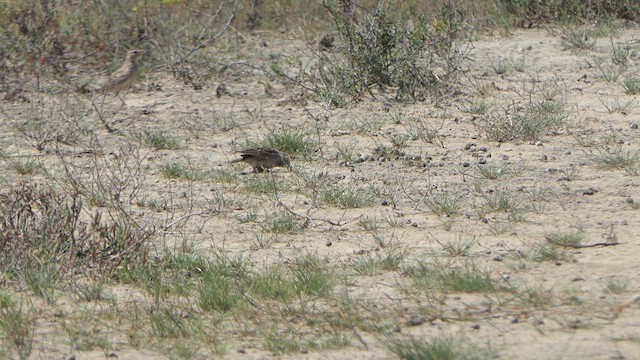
<point x="538" y="322"/>
<point x="633" y="125"/>
<point x="558" y="263"/>
<point x="466" y="164"/>
<point x="522" y="266"/>
<point x="415" y="320"/>
<point x="505" y="157"/>
<point x="241" y="351"/>
<point x="629" y="200"/>
<point x="515" y="320"/>
<point x="414" y="225"/>
<point x="577" y="278"/>
<point x="544" y="158"/>
<point x="328" y="243"/>
<point x="384" y="203"/>
<point x="475" y="326"/>
<point x="482" y="161"/>
<point x="113" y="355"/>
<point x="498" y="258"/>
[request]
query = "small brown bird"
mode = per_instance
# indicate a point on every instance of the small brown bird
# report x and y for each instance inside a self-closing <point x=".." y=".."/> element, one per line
<point x="125" y="76"/>
<point x="262" y="159"/>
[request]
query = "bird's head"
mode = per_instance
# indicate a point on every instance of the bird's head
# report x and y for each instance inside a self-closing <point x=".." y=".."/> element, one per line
<point x="134" y="54"/>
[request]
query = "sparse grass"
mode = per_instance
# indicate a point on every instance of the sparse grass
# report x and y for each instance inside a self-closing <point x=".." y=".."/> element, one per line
<point x="367" y="125"/>
<point x="282" y="223"/>
<point x="98" y="251"/>
<point x="434" y="348"/>
<point x="398" y="140"/>
<point x="345" y="152"/>
<point x="218" y="292"/>
<point x="570" y="238"/>
<point x="501" y="68"/>
<point x="616" y="105"/>
<point x="345" y="197"/>
<point x="617" y="286"/>
<point x="281" y="345"/>
<point x="369" y="223"/>
<point x="576" y="37"/>
<point x="448" y="279"/>
<point x="479" y="107"/>
<point x="263" y="184"/>
<point x="159" y="140"/>
<point x="547" y="251"/>
<point x="493" y="171"/>
<point x="631" y="86"/>
<point x="177" y="170"/>
<point x="444" y="203"/>
<point x="528" y="121"/>
<point x="312" y="276"/>
<point x="460" y="247"/>
<point x="388" y="259"/>
<point x="28" y="167"/>
<point x="290" y="141"/>
<point x="608" y="71"/>
<point x="17" y="326"/>
<point x="502" y="200"/>
<point x="618" y="158"/>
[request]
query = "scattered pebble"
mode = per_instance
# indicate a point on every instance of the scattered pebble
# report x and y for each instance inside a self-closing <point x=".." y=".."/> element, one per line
<point x="633" y="125"/>
<point x="328" y="243"/>
<point x="475" y="326"/>
<point x="415" y="320"/>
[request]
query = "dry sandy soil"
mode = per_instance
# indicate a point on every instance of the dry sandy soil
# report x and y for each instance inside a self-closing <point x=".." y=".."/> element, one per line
<point x="583" y="303"/>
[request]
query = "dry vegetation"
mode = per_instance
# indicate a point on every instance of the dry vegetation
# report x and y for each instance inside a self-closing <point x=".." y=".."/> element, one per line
<point x="464" y="180"/>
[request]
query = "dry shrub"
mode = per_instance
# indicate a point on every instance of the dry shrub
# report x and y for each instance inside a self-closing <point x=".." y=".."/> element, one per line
<point x="40" y="225"/>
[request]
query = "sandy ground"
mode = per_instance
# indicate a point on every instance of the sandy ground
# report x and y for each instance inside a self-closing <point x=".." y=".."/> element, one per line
<point x="581" y="319"/>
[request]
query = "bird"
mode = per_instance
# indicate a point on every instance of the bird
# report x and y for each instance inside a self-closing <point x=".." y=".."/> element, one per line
<point x="125" y="76"/>
<point x="262" y="159"/>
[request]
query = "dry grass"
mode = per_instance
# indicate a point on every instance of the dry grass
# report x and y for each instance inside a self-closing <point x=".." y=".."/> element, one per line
<point x="423" y="188"/>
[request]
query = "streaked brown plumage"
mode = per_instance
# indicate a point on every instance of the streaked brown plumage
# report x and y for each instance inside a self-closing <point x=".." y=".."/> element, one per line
<point x="124" y="77"/>
<point x="262" y="159"/>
